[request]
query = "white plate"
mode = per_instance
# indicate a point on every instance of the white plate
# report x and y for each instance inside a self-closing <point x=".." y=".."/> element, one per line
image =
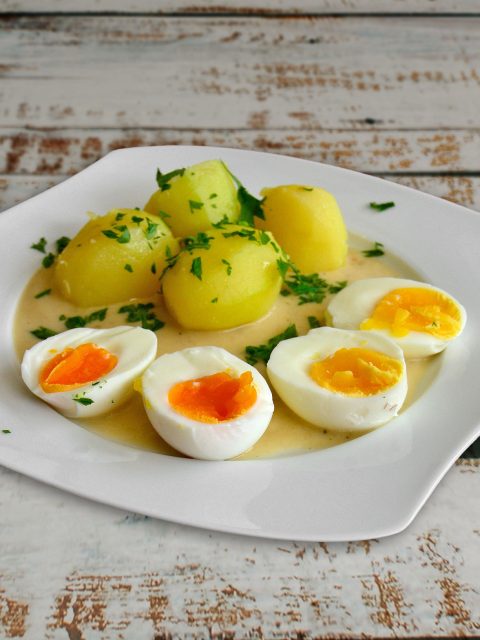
<point x="370" y="487"/>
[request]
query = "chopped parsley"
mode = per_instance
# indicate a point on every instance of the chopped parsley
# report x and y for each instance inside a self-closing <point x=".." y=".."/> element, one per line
<point x="212" y="196"/>
<point x="151" y="230"/>
<point x="314" y="322"/>
<point x="42" y="333"/>
<point x="43" y="293"/>
<point x="381" y="206"/>
<point x="338" y="286"/>
<point x="214" y="300"/>
<point x="377" y="250"/>
<point x="163" y="179"/>
<point x="40" y="245"/>
<point x="153" y="268"/>
<point x="48" y="260"/>
<point x="137" y="219"/>
<point x="250" y="207"/>
<point x="196" y="267"/>
<point x="142" y="312"/>
<point x="306" y="188"/>
<point x="193" y="204"/>
<point x="200" y="241"/>
<point x="120" y="233"/>
<point x="308" y="288"/>
<point x="6" y="431"/>
<point x="262" y="352"/>
<point x="119" y="216"/>
<point x="283" y="266"/>
<point x="82" y="400"/>
<point x="228" y="265"/>
<point x="73" y="322"/>
<point x="61" y="244"/>
<point x="163" y="215"/>
<point x="128" y="267"/>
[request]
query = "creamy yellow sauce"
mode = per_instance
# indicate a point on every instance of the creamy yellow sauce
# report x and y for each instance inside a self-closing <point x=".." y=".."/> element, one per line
<point x="287" y="433"/>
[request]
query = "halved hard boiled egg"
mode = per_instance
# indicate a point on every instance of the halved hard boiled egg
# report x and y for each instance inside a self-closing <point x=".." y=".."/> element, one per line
<point x="420" y="318"/>
<point x="206" y="402"/>
<point x="336" y="379"/>
<point x="86" y="372"/>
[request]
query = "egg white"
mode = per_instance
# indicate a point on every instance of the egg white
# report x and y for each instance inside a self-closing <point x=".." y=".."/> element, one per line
<point x="354" y="304"/>
<point x="207" y="441"/>
<point x="288" y="370"/>
<point x="134" y="347"/>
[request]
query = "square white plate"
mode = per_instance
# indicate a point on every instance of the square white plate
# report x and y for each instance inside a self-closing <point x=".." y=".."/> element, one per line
<point x="370" y="487"/>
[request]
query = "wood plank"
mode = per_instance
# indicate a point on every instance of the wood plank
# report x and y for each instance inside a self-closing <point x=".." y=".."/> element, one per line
<point x="72" y="568"/>
<point x="66" y="151"/>
<point x="241" y="6"/>
<point x="235" y="72"/>
<point x="463" y="190"/>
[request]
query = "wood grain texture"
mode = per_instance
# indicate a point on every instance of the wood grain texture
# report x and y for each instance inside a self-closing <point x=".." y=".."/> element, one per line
<point x="242" y="7"/>
<point x="305" y="73"/>
<point x="66" y="151"/>
<point x="103" y="574"/>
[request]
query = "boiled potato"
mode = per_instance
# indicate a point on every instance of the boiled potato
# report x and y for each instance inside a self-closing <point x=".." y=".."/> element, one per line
<point x="196" y="197"/>
<point x="308" y="224"/>
<point x="113" y="258"/>
<point x="233" y="281"/>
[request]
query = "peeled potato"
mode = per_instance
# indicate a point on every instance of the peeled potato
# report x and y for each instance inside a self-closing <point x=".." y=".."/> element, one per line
<point x="308" y="224"/>
<point x="234" y="281"/>
<point x="114" y="258"/>
<point x="198" y="196"/>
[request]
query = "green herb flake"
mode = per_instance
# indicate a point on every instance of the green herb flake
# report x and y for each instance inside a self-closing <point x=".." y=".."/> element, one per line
<point x="314" y="322"/>
<point x="283" y="266"/>
<point x="338" y="286"/>
<point x="40" y="245"/>
<point x="43" y="293"/>
<point x="153" y="268"/>
<point x="228" y="265"/>
<point x="250" y="207"/>
<point x="163" y="179"/>
<point x="74" y="322"/>
<point x="196" y="268"/>
<point x="48" y="260"/>
<point x="163" y="215"/>
<point x="137" y="219"/>
<point x="151" y="230"/>
<point x="375" y="251"/>
<point x="143" y="313"/>
<point x="308" y="288"/>
<point x="42" y="333"/>
<point x="194" y="205"/>
<point x="381" y="206"/>
<point x="6" y="431"/>
<point x="306" y="188"/>
<point x="128" y="267"/>
<point x="119" y="216"/>
<point x="121" y="233"/>
<point x="83" y="400"/>
<point x="214" y="300"/>
<point x="200" y="241"/>
<point x="262" y="352"/>
<point x="221" y="223"/>
<point x="61" y="244"/>
<point x="212" y="196"/>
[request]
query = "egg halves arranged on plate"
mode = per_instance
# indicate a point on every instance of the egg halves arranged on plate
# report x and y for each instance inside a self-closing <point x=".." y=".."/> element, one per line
<point x="86" y="372"/>
<point x="206" y="402"/>
<point x="422" y="319"/>
<point x="345" y="380"/>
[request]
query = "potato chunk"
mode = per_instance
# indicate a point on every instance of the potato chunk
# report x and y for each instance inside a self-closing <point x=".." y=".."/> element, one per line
<point x="308" y="224"/>
<point x="233" y="281"/>
<point x="114" y="258"/>
<point x="195" y="198"/>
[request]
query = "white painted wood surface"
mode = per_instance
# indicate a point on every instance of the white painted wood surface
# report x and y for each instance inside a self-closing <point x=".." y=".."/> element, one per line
<point x="393" y="96"/>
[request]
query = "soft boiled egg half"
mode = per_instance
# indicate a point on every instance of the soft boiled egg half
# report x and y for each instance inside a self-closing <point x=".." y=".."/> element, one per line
<point x="422" y="319"/>
<point x="206" y="402"/>
<point x="336" y="379"/>
<point x="86" y="372"/>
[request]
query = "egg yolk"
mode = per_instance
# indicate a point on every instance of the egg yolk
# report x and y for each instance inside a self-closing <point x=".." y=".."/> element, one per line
<point x="73" y="368"/>
<point x="214" y="398"/>
<point x="416" y="309"/>
<point x="357" y="372"/>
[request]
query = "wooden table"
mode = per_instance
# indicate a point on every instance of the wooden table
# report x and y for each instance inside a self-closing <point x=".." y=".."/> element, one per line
<point x="391" y="88"/>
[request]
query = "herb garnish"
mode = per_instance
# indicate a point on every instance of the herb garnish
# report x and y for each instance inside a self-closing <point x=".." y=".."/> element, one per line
<point x="45" y="292"/>
<point x="250" y="207"/>
<point x="153" y="268"/>
<point x="6" y="431"/>
<point x="137" y="219"/>
<point x="48" y="260"/>
<point x="163" y="215"/>
<point x="128" y="267"/>
<point x="212" y="196"/>
<point x="314" y="322"/>
<point x="338" y="286"/>
<point x="214" y="300"/>
<point x="40" y="245"/>
<point x="83" y="400"/>
<point x="73" y="322"/>
<point x="196" y="267"/>
<point x="308" y="288"/>
<point x="121" y="233"/>
<point x="42" y="333"/>
<point x="142" y="312"/>
<point x="228" y="265"/>
<point x="306" y="188"/>
<point x="200" y="241"/>
<point x="381" y="206"/>
<point x="193" y="204"/>
<point x="119" y="216"/>
<point x="163" y="179"/>
<point x="61" y="244"/>
<point x="262" y="352"/>
<point x="377" y="250"/>
<point x="151" y="230"/>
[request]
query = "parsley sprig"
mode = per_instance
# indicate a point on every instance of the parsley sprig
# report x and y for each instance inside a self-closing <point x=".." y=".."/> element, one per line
<point x="73" y="322"/>
<point x="262" y="352"/>
<point x="143" y="313"/>
<point x="42" y="333"/>
<point x="163" y="179"/>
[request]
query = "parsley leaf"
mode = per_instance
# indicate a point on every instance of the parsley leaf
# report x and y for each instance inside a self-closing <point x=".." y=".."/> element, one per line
<point x="40" y="245"/>
<point x="377" y="250"/>
<point x="200" y="241"/>
<point x="193" y="204"/>
<point x="121" y="233"/>
<point x="151" y="230"/>
<point x="48" y="260"/>
<point x="128" y="267"/>
<point x="61" y="244"/>
<point x="250" y="207"/>
<point x="214" y="300"/>
<point x="45" y="292"/>
<point x="338" y="286"/>
<point x="314" y="322"/>
<point x="83" y="400"/>
<point x="196" y="268"/>
<point x="228" y="265"/>
<point x="142" y="312"/>
<point x="163" y="179"/>
<point x="73" y="322"/>
<point x="262" y="352"/>
<point x="42" y="333"/>
<point x="308" y="288"/>
<point x="6" y="431"/>
<point x="381" y="206"/>
<point x="153" y="268"/>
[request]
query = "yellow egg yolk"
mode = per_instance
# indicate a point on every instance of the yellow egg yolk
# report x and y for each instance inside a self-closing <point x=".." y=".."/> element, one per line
<point x="357" y="372"/>
<point x="214" y="398"/>
<point x="416" y="309"/>
<point x="73" y="368"/>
